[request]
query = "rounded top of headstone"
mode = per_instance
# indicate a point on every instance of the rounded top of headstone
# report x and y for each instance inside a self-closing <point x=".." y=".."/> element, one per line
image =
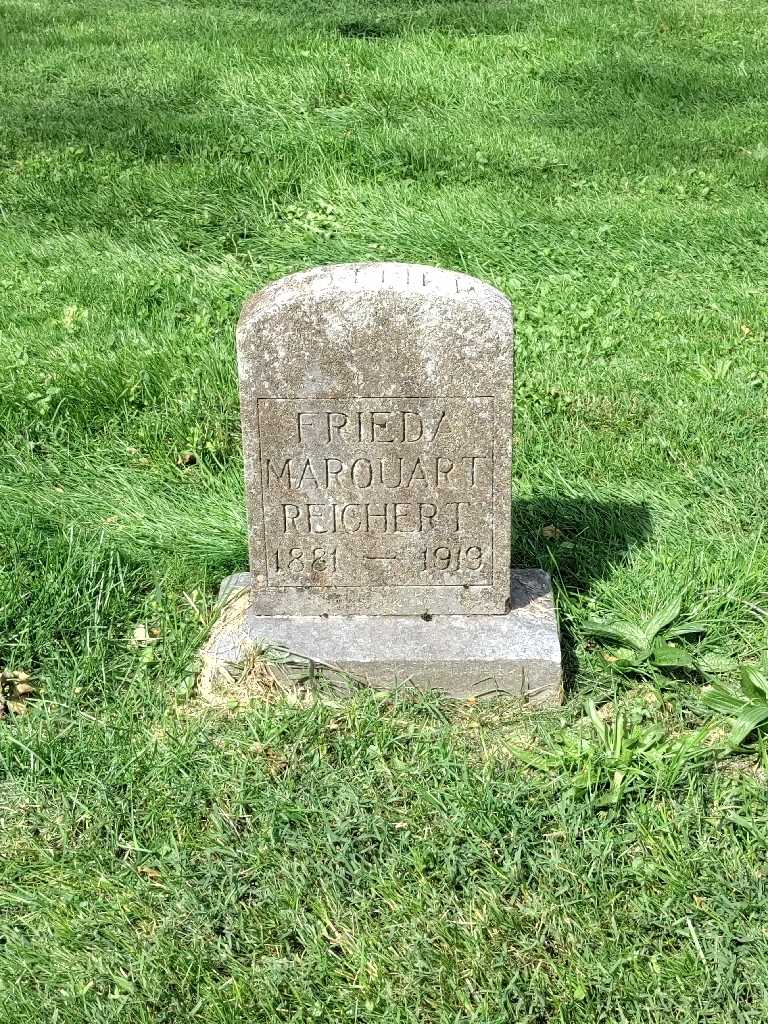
<point x="406" y="278"/>
<point x="376" y="328"/>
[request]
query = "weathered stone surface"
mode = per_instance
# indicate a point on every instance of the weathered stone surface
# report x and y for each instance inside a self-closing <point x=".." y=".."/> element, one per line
<point x="516" y="653"/>
<point x="376" y="403"/>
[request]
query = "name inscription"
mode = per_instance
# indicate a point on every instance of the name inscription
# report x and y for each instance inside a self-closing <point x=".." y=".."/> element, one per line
<point x="377" y="491"/>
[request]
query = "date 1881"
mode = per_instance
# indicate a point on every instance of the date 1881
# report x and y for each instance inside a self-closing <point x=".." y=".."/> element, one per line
<point x="299" y="561"/>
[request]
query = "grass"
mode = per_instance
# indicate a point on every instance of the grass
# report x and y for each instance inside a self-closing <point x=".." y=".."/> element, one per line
<point x="396" y="859"/>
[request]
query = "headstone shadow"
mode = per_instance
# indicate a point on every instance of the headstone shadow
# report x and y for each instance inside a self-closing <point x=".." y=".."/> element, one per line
<point x="579" y="541"/>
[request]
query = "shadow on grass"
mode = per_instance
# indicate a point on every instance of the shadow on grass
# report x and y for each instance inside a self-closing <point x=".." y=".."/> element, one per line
<point x="578" y="541"/>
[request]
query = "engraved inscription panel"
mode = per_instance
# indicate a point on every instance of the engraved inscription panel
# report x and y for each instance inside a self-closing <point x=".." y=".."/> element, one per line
<point x="377" y="492"/>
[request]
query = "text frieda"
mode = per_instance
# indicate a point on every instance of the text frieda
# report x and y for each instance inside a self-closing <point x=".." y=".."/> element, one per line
<point x="362" y="426"/>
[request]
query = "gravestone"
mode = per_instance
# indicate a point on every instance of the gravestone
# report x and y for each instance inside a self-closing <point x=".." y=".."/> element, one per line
<point x="376" y="404"/>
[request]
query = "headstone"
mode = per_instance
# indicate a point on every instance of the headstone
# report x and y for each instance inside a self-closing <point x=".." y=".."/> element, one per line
<point x="377" y="428"/>
<point x="377" y="404"/>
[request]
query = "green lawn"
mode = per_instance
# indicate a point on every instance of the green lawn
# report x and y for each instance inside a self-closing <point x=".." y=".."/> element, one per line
<point x="391" y="859"/>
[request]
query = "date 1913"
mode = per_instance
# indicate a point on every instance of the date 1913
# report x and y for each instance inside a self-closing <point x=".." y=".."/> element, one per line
<point x="447" y="559"/>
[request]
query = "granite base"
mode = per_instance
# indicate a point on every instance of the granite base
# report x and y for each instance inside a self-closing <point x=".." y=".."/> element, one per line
<point x="516" y="653"/>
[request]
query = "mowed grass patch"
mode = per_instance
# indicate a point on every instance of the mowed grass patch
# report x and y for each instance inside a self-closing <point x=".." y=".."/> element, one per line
<point x="392" y="859"/>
